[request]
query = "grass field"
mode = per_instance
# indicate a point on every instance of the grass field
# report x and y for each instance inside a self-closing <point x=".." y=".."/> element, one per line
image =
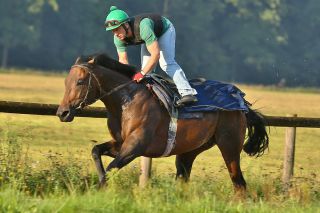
<point x="46" y="165"/>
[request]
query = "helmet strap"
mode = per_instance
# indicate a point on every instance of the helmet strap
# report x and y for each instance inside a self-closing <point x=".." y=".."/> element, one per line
<point x="126" y="29"/>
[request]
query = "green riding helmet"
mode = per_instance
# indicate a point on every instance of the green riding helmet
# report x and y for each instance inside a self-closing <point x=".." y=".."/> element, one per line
<point x="115" y="18"/>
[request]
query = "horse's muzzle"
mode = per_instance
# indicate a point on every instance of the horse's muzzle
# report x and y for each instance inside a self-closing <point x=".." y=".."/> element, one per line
<point x="66" y="115"/>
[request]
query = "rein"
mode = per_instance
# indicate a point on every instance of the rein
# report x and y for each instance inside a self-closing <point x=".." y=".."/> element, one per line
<point x="102" y="92"/>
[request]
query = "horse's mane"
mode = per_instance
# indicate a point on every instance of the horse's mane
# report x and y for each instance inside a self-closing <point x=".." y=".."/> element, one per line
<point x="104" y="60"/>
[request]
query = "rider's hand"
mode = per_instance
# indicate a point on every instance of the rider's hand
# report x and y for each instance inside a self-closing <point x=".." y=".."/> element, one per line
<point x="138" y="76"/>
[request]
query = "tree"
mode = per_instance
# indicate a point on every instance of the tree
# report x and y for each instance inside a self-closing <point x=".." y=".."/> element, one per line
<point x="298" y="60"/>
<point x="19" y="25"/>
<point x="246" y="41"/>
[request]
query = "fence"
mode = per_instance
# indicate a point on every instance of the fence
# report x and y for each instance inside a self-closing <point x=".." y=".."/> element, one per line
<point x="290" y="121"/>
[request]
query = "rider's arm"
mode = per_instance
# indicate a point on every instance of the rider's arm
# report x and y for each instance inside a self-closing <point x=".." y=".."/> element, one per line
<point x="123" y="57"/>
<point x="154" y="51"/>
<point x="121" y="49"/>
<point x="147" y="34"/>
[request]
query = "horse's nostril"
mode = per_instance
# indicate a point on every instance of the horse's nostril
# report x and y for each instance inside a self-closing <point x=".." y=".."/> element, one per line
<point x="64" y="114"/>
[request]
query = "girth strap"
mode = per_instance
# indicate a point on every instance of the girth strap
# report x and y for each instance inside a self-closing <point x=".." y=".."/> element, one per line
<point x="172" y="132"/>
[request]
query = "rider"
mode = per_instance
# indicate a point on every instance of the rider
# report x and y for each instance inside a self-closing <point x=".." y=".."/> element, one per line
<point x="157" y="36"/>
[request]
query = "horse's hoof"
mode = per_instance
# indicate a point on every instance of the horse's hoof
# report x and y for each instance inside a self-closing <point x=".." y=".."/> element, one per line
<point x="240" y="194"/>
<point x="181" y="178"/>
<point x="102" y="184"/>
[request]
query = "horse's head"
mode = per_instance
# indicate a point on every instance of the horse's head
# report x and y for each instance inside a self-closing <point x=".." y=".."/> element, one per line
<point x="81" y="89"/>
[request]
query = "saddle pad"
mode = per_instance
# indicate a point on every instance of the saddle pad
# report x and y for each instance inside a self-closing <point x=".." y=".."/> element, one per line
<point x="212" y="96"/>
<point x="215" y="95"/>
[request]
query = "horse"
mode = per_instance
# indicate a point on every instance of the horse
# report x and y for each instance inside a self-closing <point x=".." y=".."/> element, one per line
<point x="138" y="123"/>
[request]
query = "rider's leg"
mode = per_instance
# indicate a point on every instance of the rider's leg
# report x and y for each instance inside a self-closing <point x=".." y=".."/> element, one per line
<point x="170" y="66"/>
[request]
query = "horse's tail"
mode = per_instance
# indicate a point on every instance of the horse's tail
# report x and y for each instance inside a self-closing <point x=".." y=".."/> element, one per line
<point x="257" y="139"/>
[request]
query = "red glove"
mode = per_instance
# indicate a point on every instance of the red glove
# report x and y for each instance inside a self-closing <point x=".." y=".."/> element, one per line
<point x="138" y="77"/>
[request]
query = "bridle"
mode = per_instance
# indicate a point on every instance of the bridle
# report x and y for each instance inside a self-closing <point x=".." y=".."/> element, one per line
<point x="102" y="93"/>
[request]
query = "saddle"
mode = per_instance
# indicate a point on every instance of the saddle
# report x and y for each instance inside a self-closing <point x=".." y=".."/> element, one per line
<point x="164" y="88"/>
<point x="167" y="93"/>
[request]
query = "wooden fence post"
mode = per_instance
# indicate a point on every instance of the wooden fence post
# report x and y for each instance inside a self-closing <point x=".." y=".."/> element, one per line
<point x="289" y="150"/>
<point x="145" y="171"/>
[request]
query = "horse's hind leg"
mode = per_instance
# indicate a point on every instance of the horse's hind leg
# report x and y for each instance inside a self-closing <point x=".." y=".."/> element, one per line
<point x="230" y="136"/>
<point x="111" y="149"/>
<point x="184" y="161"/>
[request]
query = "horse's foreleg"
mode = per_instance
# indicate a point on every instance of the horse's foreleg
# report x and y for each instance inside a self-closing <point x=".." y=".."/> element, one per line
<point x="184" y="161"/>
<point x="123" y="159"/>
<point x="111" y="149"/>
<point x="130" y="149"/>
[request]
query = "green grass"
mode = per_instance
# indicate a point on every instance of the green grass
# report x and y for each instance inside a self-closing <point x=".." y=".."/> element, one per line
<point x="46" y="165"/>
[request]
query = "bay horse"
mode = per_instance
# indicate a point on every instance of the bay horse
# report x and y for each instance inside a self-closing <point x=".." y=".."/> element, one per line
<point x="138" y="123"/>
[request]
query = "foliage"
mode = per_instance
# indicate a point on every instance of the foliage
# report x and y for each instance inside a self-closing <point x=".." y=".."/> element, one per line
<point x="59" y="175"/>
<point x="65" y="186"/>
<point x="261" y="42"/>
<point x="20" y="25"/>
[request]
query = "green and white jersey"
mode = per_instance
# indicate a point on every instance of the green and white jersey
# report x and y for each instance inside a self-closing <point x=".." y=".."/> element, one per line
<point x="147" y="33"/>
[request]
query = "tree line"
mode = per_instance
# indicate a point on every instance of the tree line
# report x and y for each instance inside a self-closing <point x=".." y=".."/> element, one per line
<point x="247" y="41"/>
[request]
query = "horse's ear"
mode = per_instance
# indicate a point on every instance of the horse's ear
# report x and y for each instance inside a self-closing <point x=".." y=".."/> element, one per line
<point x="78" y="60"/>
<point x="91" y="61"/>
<point x="82" y="59"/>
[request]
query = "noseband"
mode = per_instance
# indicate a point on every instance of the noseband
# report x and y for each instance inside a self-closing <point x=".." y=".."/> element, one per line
<point x="102" y="92"/>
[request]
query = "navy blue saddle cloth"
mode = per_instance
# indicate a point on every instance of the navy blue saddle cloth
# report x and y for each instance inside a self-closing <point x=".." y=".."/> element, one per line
<point x="212" y="95"/>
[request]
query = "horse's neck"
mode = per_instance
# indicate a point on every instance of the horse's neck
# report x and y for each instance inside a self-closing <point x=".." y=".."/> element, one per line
<point x="110" y="80"/>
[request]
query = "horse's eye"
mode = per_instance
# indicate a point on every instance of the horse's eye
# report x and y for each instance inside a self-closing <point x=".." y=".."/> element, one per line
<point x="80" y="82"/>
